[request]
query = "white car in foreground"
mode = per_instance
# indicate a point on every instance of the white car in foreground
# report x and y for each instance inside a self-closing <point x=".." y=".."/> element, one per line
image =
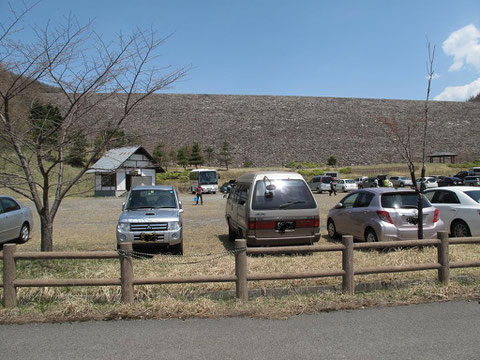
<point x="459" y="208"/>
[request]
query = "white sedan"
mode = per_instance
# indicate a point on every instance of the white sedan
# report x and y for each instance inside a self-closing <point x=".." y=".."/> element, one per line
<point x="430" y="182"/>
<point x="459" y="208"/>
<point x="346" y="185"/>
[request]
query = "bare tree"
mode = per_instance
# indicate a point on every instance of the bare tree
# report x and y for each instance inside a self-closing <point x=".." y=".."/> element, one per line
<point x="410" y="137"/>
<point x="97" y="85"/>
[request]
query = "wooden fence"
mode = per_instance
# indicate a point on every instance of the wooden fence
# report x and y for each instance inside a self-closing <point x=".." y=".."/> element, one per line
<point x="127" y="281"/>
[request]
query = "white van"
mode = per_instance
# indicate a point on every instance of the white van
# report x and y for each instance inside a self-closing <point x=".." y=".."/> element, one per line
<point x="272" y="208"/>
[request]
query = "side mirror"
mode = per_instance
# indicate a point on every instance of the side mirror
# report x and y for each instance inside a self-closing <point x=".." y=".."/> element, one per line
<point x="339" y="206"/>
<point x="123" y="206"/>
<point x="180" y="204"/>
<point x="181" y="211"/>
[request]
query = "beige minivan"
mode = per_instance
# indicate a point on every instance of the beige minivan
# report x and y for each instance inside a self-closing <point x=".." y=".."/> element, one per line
<point x="272" y="208"/>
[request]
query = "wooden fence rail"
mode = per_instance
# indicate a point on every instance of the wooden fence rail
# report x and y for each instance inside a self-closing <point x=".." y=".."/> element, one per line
<point x="127" y="280"/>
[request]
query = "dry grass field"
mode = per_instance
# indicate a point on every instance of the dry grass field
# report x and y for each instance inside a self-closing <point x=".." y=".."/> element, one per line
<point x="89" y="224"/>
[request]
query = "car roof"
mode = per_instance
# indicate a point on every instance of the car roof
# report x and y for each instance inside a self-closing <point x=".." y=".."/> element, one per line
<point x="269" y="174"/>
<point x="154" y="187"/>
<point x="455" y="188"/>
<point x="383" y="190"/>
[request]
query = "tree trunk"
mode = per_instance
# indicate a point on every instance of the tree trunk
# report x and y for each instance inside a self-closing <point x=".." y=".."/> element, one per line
<point x="46" y="229"/>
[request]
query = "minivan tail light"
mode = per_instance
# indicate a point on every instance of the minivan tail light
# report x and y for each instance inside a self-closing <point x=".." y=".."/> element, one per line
<point x="308" y="223"/>
<point x="385" y="216"/>
<point x="435" y="216"/>
<point x="261" y="225"/>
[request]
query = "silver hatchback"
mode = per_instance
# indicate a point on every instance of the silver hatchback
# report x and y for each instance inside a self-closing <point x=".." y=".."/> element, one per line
<point x="382" y="214"/>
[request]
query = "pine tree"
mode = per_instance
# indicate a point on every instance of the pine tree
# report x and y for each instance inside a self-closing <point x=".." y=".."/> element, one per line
<point x="196" y="157"/>
<point x="225" y="156"/>
<point x="46" y="121"/>
<point x="209" y="150"/>
<point x="182" y="158"/>
<point x="159" y="156"/>
<point x="77" y="151"/>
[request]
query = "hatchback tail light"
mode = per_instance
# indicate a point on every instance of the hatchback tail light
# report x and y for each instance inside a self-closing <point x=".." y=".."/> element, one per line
<point x="385" y="216"/>
<point x="435" y="216"/>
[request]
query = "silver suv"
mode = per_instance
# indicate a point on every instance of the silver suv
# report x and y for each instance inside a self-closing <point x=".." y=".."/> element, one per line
<point x="152" y="218"/>
<point x="382" y="214"/>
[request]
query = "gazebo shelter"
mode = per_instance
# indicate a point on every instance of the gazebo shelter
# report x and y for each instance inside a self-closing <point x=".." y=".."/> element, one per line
<point x="442" y="156"/>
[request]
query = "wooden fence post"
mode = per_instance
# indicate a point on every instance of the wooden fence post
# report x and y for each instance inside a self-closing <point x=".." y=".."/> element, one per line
<point x="443" y="257"/>
<point x="9" y="276"/>
<point x="241" y="269"/>
<point x="348" y="285"/>
<point x="126" y="274"/>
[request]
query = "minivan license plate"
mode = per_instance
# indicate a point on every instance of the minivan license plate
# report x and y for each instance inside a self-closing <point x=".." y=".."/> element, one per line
<point x="283" y="226"/>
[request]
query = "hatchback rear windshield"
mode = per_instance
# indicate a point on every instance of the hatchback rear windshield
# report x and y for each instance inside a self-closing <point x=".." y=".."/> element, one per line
<point x="402" y="200"/>
<point x="475" y="195"/>
<point x="151" y="199"/>
<point x="288" y="194"/>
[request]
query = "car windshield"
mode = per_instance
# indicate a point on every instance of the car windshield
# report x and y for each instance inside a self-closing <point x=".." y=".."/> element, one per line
<point x="208" y="177"/>
<point x="288" y="194"/>
<point x="474" y="194"/>
<point x="349" y="181"/>
<point x="151" y="199"/>
<point x="402" y="200"/>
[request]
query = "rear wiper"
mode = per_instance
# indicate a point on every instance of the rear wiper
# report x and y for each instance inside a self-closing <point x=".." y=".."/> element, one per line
<point x="291" y="203"/>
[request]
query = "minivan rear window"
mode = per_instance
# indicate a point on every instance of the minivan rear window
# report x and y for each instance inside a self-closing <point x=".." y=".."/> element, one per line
<point x="402" y="200"/>
<point x="288" y="194"/>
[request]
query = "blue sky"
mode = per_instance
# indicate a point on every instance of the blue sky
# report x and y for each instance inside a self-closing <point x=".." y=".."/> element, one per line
<point x="349" y="48"/>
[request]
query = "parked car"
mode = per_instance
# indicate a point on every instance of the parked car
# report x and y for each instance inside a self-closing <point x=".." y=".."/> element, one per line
<point x="471" y="181"/>
<point x="450" y="181"/>
<point x="320" y="183"/>
<point x="382" y="214"/>
<point x="429" y="182"/>
<point x="459" y="208"/>
<point x="368" y="183"/>
<point x="346" y="185"/>
<point x="359" y="180"/>
<point x="464" y="173"/>
<point x="16" y="220"/>
<point x="227" y="186"/>
<point x="152" y="218"/>
<point x="401" y="181"/>
<point x="272" y="208"/>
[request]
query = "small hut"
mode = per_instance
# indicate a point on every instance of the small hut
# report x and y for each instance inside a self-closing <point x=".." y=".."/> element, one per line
<point x="442" y="157"/>
<point x="123" y="168"/>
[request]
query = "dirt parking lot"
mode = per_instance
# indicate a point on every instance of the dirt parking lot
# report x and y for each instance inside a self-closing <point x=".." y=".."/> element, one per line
<point x="89" y="223"/>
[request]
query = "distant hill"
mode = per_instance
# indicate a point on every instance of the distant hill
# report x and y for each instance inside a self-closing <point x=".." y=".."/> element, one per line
<point x="274" y="130"/>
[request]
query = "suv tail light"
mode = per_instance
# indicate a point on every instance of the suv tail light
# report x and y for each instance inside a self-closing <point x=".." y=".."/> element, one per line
<point x="385" y="216"/>
<point x="435" y="216"/>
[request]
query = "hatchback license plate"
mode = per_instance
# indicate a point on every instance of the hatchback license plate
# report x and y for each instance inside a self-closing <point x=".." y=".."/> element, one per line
<point x="412" y="220"/>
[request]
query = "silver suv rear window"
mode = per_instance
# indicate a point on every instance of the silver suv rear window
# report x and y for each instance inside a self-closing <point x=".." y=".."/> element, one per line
<point x="288" y="194"/>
